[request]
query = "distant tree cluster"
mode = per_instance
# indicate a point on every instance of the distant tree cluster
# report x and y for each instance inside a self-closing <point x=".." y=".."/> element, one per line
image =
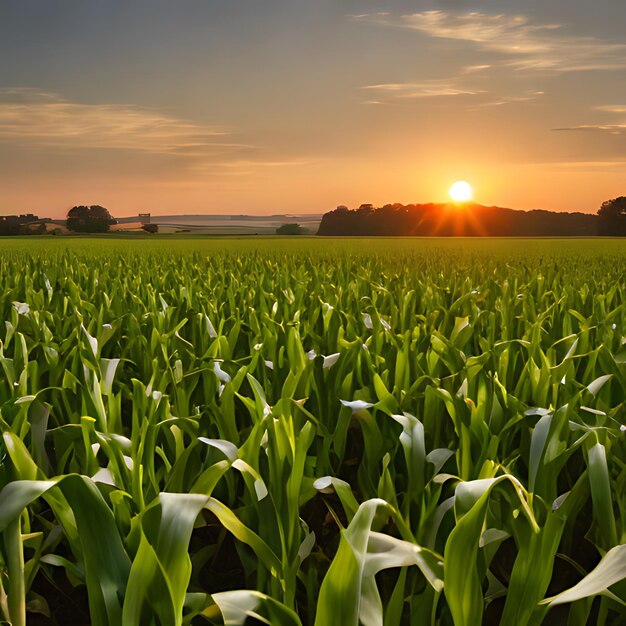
<point x="89" y="219"/>
<point x="612" y="217"/>
<point x="291" y="229"/>
<point x="25" y="224"/>
<point x="469" y="220"/>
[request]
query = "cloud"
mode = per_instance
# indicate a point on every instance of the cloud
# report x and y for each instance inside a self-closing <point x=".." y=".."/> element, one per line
<point x="433" y="88"/>
<point x="471" y="69"/>
<point x="27" y="94"/>
<point x="261" y="163"/>
<point x="528" y="45"/>
<point x="616" y="164"/>
<point x="612" y="129"/>
<point x="244" y="167"/>
<point x="40" y="119"/>
<point x="612" y="108"/>
<point x="526" y="97"/>
<point x="446" y="88"/>
<point x="368" y="16"/>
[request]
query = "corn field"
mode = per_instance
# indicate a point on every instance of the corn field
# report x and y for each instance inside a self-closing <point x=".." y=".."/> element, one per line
<point x="312" y="433"/>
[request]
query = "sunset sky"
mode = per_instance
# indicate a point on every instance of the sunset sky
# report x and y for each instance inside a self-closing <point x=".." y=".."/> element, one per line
<point x="272" y="106"/>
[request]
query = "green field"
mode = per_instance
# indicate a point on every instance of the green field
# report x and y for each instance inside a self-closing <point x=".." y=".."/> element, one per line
<point x="312" y="432"/>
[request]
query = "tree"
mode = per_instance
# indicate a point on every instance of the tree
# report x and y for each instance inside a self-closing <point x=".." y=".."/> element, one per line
<point x="89" y="219"/>
<point x="291" y="229"/>
<point x="612" y="217"/>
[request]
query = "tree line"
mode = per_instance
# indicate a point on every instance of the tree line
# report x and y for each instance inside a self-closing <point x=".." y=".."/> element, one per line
<point x="468" y="219"/>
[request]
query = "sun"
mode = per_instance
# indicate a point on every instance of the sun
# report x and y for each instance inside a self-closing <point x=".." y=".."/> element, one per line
<point x="461" y="191"/>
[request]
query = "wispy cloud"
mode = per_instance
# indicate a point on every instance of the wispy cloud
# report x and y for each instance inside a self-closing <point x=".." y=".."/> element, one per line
<point x="612" y="108"/>
<point x="528" y="96"/>
<point x="472" y="69"/>
<point x="528" y="45"/>
<point x="447" y="88"/>
<point x="260" y="163"/>
<point x="245" y="167"/>
<point x="604" y="165"/>
<point x="434" y="88"/>
<point x="27" y="94"/>
<point x="41" y="119"/>
<point x="369" y="16"/>
<point x="612" y="129"/>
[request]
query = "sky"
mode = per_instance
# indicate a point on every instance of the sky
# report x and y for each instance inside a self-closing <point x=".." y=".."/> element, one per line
<point x="296" y="106"/>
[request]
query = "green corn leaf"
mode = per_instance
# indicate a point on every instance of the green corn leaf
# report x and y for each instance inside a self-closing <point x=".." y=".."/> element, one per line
<point x="610" y="570"/>
<point x="348" y="594"/>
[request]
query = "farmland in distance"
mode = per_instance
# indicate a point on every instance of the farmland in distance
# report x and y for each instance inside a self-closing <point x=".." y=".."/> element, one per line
<point x="315" y="431"/>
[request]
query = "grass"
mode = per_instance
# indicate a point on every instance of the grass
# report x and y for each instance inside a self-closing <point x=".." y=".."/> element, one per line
<point x="313" y="431"/>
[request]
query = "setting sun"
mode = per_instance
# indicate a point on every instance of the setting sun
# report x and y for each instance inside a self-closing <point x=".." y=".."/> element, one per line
<point x="461" y="191"/>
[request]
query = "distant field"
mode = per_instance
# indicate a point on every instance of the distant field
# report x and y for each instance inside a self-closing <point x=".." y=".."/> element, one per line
<point x="490" y="249"/>
<point x="316" y="431"/>
<point x="233" y="224"/>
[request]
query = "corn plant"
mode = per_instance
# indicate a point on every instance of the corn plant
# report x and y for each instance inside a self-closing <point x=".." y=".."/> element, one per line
<point x="305" y="434"/>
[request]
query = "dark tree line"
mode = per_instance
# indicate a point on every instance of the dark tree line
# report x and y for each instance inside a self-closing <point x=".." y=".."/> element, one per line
<point x="472" y="220"/>
<point x="25" y="224"/>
